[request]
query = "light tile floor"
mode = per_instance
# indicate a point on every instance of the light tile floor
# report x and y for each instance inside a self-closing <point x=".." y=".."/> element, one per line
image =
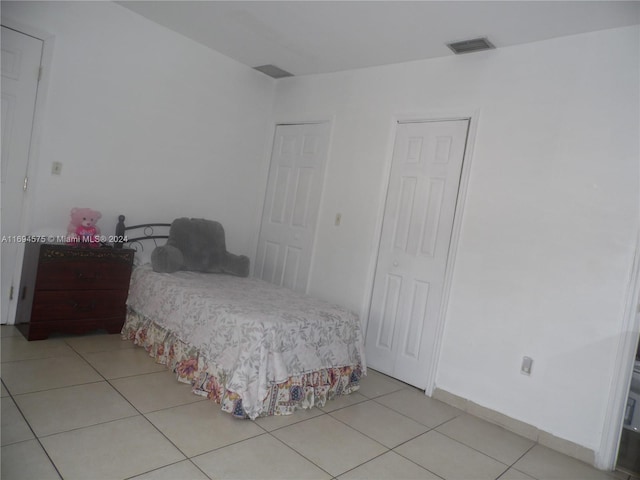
<point x="96" y="407"/>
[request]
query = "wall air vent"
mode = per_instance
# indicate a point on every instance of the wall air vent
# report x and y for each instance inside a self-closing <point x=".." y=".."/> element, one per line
<point x="273" y="71"/>
<point x="468" y="46"/>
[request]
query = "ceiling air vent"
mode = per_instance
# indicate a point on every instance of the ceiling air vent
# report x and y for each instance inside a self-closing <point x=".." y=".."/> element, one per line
<point x="273" y="71"/>
<point x="468" y="46"/>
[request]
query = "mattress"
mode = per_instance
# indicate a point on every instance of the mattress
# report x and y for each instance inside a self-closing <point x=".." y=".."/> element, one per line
<point x="256" y="333"/>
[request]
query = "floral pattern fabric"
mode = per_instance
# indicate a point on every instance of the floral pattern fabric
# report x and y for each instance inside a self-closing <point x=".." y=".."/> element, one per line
<point x="256" y="348"/>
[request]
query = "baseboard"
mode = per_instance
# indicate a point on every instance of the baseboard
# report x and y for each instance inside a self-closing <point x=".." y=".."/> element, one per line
<point x="518" y="427"/>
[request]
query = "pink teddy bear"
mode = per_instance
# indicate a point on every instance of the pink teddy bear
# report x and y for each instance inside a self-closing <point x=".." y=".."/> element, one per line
<point x="82" y="229"/>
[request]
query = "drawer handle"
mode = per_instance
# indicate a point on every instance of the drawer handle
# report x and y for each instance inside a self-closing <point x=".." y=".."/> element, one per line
<point x="84" y="308"/>
<point x="92" y="276"/>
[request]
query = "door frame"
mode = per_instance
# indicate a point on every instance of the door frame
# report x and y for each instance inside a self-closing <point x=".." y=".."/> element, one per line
<point x="606" y="456"/>
<point x="33" y="162"/>
<point x="311" y="120"/>
<point x="435" y="115"/>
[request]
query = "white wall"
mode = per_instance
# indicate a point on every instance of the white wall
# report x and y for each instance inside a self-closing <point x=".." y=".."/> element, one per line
<point x="549" y="225"/>
<point x="146" y="122"/>
<point x="150" y="124"/>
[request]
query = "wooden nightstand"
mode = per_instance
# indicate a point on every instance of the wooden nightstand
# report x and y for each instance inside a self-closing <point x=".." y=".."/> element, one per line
<point x="70" y="289"/>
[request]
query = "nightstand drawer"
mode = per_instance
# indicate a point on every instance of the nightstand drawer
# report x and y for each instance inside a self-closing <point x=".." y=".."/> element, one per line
<point x="53" y="305"/>
<point x="82" y="275"/>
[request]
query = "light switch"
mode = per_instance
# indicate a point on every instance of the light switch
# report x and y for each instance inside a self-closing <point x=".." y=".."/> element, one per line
<point x="527" y="363"/>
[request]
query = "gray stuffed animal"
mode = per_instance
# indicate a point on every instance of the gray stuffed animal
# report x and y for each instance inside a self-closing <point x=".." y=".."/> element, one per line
<point x="197" y="245"/>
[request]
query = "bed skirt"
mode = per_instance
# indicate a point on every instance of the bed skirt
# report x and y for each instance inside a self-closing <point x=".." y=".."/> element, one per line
<point x="301" y="391"/>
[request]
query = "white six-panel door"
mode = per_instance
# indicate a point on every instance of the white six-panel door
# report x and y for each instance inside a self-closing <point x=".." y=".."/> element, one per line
<point x="291" y="204"/>
<point x="21" y="56"/>
<point x="414" y="246"/>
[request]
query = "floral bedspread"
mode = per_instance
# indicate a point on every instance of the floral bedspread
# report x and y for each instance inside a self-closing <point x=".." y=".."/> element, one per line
<point x="255" y="334"/>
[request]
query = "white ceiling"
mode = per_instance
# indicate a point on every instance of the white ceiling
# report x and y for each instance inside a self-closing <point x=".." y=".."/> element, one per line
<point x="307" y="37"/>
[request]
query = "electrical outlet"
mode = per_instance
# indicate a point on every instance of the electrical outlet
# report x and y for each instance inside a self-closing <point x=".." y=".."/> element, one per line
<point x="56" y="168"/>
<point x="527" y="363"/>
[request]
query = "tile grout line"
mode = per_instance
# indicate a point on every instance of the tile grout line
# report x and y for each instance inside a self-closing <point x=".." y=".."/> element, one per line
<point x="55" y="467"/>
<point x="255" y="436"/>
<point x="389" y="449"/>
<point x="517" y="460"/>
<point x="451" y="438"/>
<point x="299" y="453"/>
<point x="186" y="457"/>
<point x="57" y="388"/>
<point x="434" y="429"/>
<point x="413" y="419"/>
<point x="329" y="413"/>
<point x="143" y="415"/>
<point x="483" y="453"/>
<point x="80" y="354"/>
<point x="410" y="460"/>
<point x="165" y="466"/>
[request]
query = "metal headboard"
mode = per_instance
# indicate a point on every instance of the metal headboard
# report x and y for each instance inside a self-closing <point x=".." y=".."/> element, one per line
<point x="141" y="234"/>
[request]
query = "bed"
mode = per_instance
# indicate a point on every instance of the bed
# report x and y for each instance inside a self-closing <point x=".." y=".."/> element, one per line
<point x="255" y="348"/>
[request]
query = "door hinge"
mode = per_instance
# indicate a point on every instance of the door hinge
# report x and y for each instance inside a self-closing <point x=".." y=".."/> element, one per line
<point x="24" y="185"/>
<point x="11" y="293"/>
<point x="39" y="73"/>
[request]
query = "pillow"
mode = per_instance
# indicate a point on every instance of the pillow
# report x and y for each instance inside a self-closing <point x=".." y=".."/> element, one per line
<point x="198" y="245"/>
<point x="166" y="259"/>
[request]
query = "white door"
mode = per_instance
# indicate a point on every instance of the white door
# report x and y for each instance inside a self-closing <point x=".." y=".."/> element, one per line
<point x="291" y="204"/>
<point x="21" y="55"/>
<point x="414" y="246"/>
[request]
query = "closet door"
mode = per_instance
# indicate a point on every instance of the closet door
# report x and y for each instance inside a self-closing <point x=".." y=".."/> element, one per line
<point x="21" y="57"/>
<point x="291" y="205"/>
<point x="414" y="247"/>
